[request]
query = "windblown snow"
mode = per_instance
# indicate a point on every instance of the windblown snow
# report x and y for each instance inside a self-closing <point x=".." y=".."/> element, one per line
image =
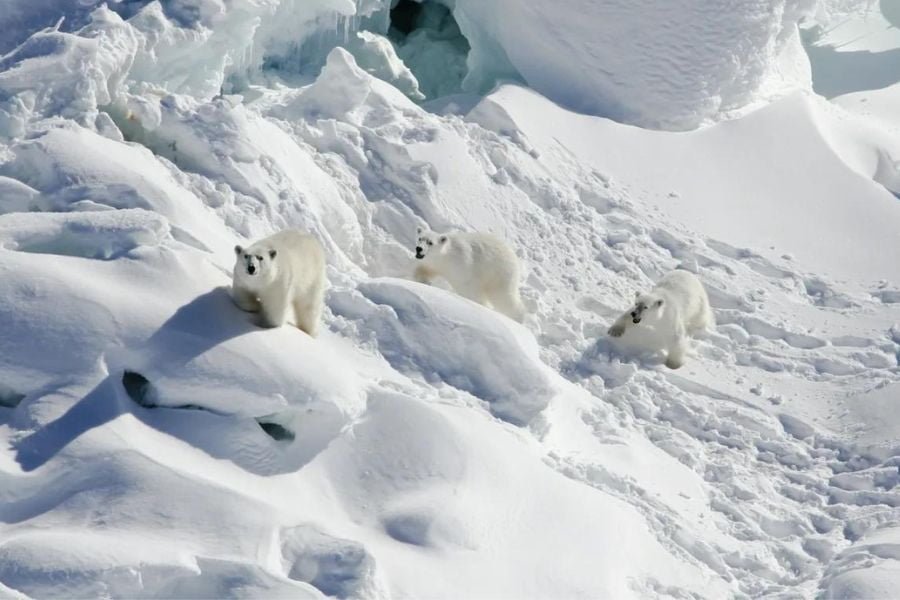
<point x="155" y="442"/>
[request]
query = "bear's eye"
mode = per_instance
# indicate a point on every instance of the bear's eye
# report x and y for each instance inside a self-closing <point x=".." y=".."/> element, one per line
<point x="259" y="258"/>
<point x="430" y="243"/>
<point x="246" y="256"/>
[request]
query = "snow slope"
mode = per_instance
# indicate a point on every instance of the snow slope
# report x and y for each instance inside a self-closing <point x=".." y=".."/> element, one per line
<point x="154" y="442"/>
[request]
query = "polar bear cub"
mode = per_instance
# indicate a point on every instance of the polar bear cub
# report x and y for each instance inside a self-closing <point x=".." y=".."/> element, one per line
<point x="677" y="307"/>
<point x="479" y="266"/>
<point x="282" y="273"/>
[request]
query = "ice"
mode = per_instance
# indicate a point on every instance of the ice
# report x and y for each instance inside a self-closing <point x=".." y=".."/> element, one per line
<point x="671" y="66"/>
<point x="67" y="74"/>
<point x="377" y="56"/>
<point x="433" y="48"/>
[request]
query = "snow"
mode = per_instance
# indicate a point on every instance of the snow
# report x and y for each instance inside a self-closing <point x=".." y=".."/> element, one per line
<point x="497" y="362"/>
<point x="106" y="236"/>
<point x="154" y="442"/>
<point x="667" y="66"/>
<point x="744" y="204"/>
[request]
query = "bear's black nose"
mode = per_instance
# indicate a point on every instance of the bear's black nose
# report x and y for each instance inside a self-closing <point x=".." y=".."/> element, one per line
<point x="633" y="314"/>
<point x="251" y="269"/>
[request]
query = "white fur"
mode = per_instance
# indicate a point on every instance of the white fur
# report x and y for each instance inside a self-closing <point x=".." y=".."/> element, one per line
<point x="479" y="266"/>
<point x="676" y="308"/>
<point x="288" y="276"/>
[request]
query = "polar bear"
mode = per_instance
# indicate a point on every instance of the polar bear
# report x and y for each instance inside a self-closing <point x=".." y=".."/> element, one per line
<point x="479" y="266"/>
<point x="283" y="272"/>
<point x="675" y="308"/>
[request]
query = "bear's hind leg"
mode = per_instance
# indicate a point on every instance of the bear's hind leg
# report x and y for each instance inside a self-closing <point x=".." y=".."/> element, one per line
<point x="704" y="320"/>
<point x="709" y="318"/>
<point x="308" y="318"/>
<point x="676" y="353"/>
<point x="472" y="292"/>
<point x="508" y="302"/>
<point x="308" y="311"/>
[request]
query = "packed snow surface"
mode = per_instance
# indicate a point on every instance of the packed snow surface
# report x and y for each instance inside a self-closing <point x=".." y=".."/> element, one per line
<point x="155" y="442"/>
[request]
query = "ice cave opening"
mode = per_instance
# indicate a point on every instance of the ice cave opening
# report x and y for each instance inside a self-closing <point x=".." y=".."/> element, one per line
<point x="428" y="40"/>
<point x="417" y="46"/>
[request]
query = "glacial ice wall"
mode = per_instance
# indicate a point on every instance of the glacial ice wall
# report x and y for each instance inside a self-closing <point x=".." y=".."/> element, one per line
<point x="672" y="65"/>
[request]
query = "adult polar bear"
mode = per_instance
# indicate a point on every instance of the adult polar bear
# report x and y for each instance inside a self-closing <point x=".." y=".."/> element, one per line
<point x="479" y="266"/>
<point x="283" y="272"/>
<point x="675" y="308"/>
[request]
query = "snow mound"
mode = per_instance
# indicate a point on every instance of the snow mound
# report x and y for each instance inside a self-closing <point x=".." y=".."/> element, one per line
<point x="127" y="566"/>
<point x="344" y="91"/>
<point x="441" y="336"/>
<point x="104" y="236"/>
<point x="868" y="568"/>
<point x="419" y="471"/>
<point x="76" y="168"/>
<point x="15" y="196"/>
<point x="335" y="567"/>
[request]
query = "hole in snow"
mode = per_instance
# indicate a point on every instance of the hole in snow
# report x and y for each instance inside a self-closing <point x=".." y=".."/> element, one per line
<point x="409" y="528"/>
<point x="9" y="398"/>
<point x="142" y="392"/>
<point x="139" y="389"/>
<point x="428" y="40"/>
<point x="277" y="432"/>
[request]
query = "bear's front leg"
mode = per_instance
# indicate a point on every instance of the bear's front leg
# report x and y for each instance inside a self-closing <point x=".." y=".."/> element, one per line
<point x="618" y="328"/>
<point x="423" y="274"/>
<point x="676" y="352"/>
<point x="245" y="300"/>
<point x="274" y="309"/>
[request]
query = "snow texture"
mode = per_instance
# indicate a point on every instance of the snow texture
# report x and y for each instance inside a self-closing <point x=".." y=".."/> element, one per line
<point x="155" y="442"/>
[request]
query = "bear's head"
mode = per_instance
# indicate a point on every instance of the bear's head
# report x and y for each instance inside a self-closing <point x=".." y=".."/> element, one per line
<point x="255" y="266"/>
<point x="646" y="306"/>
<point x="429" y="242"/>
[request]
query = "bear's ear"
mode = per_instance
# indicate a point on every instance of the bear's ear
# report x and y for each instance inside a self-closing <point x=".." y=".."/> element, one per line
<point x="658" y="303"/>
<point x="238" y="249"/>
<point x="637" y="295"/>
<point x="443" y="239"/>
<point x="419" y="230"/>
<point x="272" y="253"/>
